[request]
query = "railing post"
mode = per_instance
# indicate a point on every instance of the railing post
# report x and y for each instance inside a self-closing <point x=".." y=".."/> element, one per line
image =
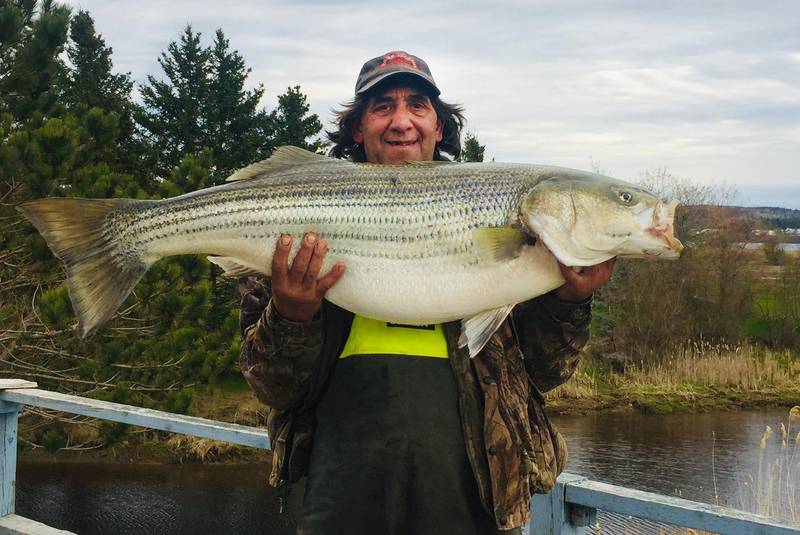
<point x="552" y="515"/>
<point x="9" y="416"/>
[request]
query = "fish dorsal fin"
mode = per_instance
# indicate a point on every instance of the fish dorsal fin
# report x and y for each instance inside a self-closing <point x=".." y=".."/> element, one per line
<point x="235" y="268"/>
<point x="478" y="329"/>
<point x="289" y="154"/>
<point x="498" y="243"/>
<point x="282" y="158"/>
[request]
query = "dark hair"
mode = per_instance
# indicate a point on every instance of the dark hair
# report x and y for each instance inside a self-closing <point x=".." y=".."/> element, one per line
<point x="349" y="117"/>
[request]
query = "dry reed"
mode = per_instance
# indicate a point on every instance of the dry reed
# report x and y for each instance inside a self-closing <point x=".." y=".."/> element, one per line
<point x="774" y="490"/>
<point x="746" y="367"/>
<point x="686" y="372"/>
<point x="583" y="384"/>
<point x="201" y="449"/>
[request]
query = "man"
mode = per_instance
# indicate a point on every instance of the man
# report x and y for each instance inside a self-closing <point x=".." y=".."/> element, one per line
<point x="409" y="434"/>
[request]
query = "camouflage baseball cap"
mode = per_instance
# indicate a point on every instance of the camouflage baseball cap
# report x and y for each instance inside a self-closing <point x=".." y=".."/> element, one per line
<point x="396" y="62"/>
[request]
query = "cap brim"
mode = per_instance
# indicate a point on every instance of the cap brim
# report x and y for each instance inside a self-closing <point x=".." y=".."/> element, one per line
<point x="372" y="83"/>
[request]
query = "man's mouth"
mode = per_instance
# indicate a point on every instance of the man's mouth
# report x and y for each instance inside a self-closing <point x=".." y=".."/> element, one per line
<point x="402" y="143"/>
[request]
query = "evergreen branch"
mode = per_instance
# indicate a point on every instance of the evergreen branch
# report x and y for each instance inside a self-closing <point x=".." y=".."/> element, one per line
<point x="13" y="186"/>
<point x="149" y="366"/>
<point x="75" y="419"/>
<point x="111" y="386"/>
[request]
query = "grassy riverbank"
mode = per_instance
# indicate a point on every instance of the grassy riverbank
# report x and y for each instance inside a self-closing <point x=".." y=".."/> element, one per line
<point x="694" y="378"/>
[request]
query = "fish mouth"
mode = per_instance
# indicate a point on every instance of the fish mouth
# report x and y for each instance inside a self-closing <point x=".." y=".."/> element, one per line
<point x="662" y="227"/>
<point x="665" y="233"/>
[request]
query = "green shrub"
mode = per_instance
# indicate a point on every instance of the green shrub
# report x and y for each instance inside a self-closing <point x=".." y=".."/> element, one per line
<point x="53" y="440"/>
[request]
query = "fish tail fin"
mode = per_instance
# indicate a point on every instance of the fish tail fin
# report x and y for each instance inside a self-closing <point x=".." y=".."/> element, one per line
<point x="99" y="278"/>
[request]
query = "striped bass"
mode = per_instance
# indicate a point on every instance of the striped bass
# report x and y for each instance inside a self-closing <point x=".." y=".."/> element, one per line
<point x="423" y="242"/>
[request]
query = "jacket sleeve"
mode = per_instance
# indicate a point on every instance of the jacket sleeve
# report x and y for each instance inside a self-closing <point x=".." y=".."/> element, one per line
<point x="551" y="334"/>
<point x="277" y="355"/>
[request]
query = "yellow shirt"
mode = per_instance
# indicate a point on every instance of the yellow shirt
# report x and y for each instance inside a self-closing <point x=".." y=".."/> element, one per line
<point x="373" y="337"/>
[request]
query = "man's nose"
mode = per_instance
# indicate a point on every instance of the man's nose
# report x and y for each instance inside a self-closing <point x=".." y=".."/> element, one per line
<point x="401" y="119"/>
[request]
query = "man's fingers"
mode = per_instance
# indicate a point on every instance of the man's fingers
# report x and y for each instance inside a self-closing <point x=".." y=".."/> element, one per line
<point x="590" y="278"/>
<point x="570" y="275"/>
<point x="324" y="284"/>
<point x="601" y="273"/>
<point x="315" y="264"/>
<point x="280" y="260"/>
<point x="301" y="259"/>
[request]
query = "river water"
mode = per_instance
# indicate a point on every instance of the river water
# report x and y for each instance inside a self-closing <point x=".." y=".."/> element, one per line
<point x="669" y="454"/>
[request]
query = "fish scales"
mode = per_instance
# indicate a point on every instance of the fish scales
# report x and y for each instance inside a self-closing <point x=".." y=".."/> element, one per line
<point x="406" y="229"/>
<point x="347" y="208"/>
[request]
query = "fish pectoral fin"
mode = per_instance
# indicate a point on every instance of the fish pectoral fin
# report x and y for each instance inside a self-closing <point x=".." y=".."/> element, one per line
<point x="235" y="268"/>
<point x="478" y="329"/>
<point x="498" y="243"/>
<point x="282" y="158"/>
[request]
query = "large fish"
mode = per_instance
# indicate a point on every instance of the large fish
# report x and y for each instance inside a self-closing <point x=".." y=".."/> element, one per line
<point x="423" y="242"/>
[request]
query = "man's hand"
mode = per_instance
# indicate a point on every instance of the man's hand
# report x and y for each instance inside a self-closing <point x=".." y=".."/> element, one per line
<point x="297" y="292"/>
<point x="580" y="286"/>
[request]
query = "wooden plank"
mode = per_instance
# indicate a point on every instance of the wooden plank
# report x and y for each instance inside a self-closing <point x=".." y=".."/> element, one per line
<point x="16" y="383"/>
<point x="677" y="511"/>
<point x="117" y="412"/>
<point x="19" y="525"/>
<point x="8" y="457"/>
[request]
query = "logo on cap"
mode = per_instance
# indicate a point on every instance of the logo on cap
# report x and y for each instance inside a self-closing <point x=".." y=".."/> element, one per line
<point x="391" y="64"/>
<point x="398" y="58"/>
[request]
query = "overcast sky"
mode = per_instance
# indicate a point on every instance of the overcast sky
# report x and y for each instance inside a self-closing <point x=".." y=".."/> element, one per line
<point x="708" y="89"/>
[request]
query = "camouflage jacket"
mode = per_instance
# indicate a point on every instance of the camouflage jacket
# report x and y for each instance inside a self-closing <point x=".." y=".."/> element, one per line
<point x="513" y="448"/>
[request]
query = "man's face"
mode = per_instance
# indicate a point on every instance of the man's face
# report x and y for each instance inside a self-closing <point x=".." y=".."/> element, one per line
<point x="399" y="125"/>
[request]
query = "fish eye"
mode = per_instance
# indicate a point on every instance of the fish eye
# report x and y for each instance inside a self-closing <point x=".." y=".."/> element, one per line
<point x="626" y="197"/>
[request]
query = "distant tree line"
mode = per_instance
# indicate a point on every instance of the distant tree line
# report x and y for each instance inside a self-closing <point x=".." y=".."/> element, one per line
<point x="717" y="292"/>
<point x="789" y="221"/>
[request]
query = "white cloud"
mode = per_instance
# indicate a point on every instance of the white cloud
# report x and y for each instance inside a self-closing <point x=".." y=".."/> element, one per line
<point x="710" y="89"/>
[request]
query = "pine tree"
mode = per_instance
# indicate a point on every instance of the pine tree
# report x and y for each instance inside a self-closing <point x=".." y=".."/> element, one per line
<point x="292" y="125"/>
<point x="172" y="119"/>
<point x="473" y="150"/>
<point x="46" y="149"/>
<point x="30" y="41"/>
<point x="201" y="122"/>
<point x="36" y="143"/>
<point x="91" y="82"/>
<point x="204" y="104"/>
<point x="238" y="131"/>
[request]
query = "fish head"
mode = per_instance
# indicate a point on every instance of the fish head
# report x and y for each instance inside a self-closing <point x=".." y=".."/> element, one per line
<point x="585" y="219"/>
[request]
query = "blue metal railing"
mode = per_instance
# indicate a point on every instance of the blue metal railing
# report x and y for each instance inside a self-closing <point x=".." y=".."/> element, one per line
<point x="571" y="508"/>
<point x="573" y="504"/>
